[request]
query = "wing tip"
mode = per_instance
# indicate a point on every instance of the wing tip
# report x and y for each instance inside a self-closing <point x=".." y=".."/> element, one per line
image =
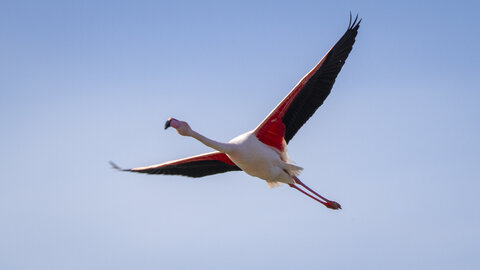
<point x="355" y="24"/>
<point x="114" y="166"/>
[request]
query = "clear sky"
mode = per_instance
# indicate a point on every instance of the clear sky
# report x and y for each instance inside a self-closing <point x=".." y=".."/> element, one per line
<point x="396" y="142"/>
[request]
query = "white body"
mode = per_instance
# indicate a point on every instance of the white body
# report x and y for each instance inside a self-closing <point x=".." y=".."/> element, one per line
<point x="260" y="160"/>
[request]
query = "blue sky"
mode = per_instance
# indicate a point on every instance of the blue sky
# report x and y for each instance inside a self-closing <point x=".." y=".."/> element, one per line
<point x="396" y="142"/>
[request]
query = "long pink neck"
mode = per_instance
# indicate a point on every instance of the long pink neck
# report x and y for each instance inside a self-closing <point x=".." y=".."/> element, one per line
<point x="222" y="147"/>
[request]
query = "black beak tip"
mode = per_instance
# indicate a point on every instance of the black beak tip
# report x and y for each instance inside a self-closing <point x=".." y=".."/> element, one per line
<point x="167" y="124"/>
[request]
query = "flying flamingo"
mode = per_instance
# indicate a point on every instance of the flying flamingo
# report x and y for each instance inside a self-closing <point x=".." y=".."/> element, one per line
<point x="262" y="152"/>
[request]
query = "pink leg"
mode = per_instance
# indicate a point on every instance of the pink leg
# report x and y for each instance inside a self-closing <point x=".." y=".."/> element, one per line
<point x="327" y="203"/>
<point x="297" y="188"/>
<point x="309" y="189"/>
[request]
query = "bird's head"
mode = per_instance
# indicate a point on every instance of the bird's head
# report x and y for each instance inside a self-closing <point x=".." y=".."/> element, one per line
<point x="182" y="127"/>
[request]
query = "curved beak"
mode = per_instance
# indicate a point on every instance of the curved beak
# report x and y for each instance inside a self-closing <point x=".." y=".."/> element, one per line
<point x="167" y="124"/>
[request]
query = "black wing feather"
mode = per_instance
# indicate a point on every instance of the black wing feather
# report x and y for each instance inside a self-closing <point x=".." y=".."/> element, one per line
<point x="192" y="169"/>
<point x="320" y="84"/>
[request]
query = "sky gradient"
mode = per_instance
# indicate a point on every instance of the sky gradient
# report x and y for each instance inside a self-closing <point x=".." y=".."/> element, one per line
<point x="396" y="142"/>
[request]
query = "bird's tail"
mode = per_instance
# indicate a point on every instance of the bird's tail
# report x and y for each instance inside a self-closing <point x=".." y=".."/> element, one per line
<point x="294" y="169"/>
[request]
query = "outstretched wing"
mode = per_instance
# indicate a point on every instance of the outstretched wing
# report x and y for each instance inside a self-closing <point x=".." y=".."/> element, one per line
<point x="301" y="103"/>
<point x="196" y="166"/>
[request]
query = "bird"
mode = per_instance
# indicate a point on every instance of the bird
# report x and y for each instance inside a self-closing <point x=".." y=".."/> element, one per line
<point x="262" y="152"/>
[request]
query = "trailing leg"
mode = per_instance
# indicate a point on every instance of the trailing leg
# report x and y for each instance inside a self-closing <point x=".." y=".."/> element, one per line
<point x="328" y="203"/>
